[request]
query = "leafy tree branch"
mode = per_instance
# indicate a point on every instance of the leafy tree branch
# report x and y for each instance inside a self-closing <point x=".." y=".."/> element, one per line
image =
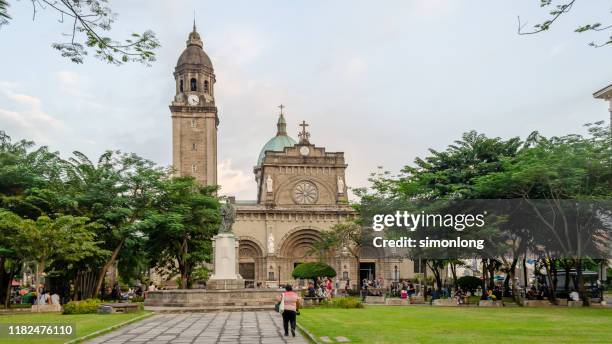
<point x="88" y="21"/>
<point x="560" y="10"/>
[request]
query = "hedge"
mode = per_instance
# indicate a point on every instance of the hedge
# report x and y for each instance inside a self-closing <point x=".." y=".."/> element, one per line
<point x="313" y="270"/>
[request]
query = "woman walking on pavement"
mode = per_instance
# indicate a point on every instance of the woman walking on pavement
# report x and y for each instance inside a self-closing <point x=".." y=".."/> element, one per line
<point x="289" y="308"/>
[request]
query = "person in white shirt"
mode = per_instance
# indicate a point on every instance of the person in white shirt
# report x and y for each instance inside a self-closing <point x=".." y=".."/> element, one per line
<point x="574" y="296"/>
<point x="55" y="299"/>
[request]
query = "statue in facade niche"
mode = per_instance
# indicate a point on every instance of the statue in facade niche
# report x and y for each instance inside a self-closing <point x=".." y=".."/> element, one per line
<point x="271" y="243"/>
<point x="340" y="185"/>
<point x="269" y="184"/>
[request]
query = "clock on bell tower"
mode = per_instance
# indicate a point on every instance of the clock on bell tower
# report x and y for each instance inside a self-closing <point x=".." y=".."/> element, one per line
<point x="194" y="114"/>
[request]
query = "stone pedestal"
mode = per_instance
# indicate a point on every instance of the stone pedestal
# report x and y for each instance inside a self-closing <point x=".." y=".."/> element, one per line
<point x="225" y="276"/>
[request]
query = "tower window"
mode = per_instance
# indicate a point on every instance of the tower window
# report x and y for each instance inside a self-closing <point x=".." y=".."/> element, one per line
<point x="194" y="168"/>
<point x="194" y="123"/>
<point x="206" y="86"/>
<point x="194" y="147"/>
<point x="194" y="84"/>
<point x="181" y="86"/>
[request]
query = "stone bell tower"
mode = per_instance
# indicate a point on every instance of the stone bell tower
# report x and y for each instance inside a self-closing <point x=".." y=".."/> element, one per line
<point x="194" y="114"/>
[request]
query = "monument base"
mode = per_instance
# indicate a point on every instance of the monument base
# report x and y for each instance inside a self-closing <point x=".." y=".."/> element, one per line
<point x="206" y="300"/>
<point x="225" y="284"/>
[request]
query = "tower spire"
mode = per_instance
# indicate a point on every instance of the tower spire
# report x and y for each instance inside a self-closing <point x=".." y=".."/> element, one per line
<point x="281" y="125"/>
<point x="194" y="26"/>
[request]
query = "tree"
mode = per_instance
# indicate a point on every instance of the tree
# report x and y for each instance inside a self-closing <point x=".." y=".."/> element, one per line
<point x="349" y="237"/>
<point x="565" y="172"/>
<point x="313" y="270"/>
<point x="560" y="9"/>
<point x="87" y="22"/>
<point x="116" y="192"/>
<point x="470" y="283"/>
<point x="4" y="16"/>
<point x="181" y="225"/>
<point x="28" y="178"/>
<point x="439" y="181"/>
<point x="44" y="240"/>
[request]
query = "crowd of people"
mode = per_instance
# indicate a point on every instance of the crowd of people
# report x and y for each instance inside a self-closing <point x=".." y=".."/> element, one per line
<point x="321" y="289"/>
<point x="32" y="297"/>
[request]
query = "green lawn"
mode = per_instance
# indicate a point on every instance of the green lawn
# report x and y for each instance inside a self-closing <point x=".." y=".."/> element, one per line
<point x="424" y="324"/>
<point x="85" y="324"/>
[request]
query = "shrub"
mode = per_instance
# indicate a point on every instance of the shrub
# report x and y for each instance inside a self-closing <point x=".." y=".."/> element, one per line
<point x="469" y="282"/>
<point x="137" y="299"/>
<point x="82" y="307"/>
<point x="313" y="270"/>
<point x="342" y="302"/>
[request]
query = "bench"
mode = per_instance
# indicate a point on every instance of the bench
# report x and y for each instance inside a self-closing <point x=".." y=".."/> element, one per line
<point x="445" y="302"/>
<point x="46" y="308"/>
<point x="417" y="300"/>
<point x="375" y="300"/>
<point x="574" y="303"/>
<point x="537" y="303"/>
<point x="311" y="300"/>
<point x="490" y="303"/>
<point x="397" y="302"/>
<point x="118" y="308"/>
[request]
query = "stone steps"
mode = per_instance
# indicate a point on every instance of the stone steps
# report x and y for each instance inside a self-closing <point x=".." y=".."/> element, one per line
<point x="207" y="309"/>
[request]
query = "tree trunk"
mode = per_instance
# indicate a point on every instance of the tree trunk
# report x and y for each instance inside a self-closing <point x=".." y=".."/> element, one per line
<point x="183" y="264"/>
<point x="550" y="272"/>
<point x="453" y="267"/>
<point x="7" y="295"/>
<point x="512" y="276"/>
<point x="3" y="281"/>
<point x="581" y="290"/>
<point x="491" y="268"/>
<point x="525" y="273"/>
<point x="105" y="268"/>
<point x="484" y="275"/>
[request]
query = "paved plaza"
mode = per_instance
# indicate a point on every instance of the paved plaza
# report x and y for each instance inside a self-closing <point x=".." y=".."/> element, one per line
<point x="225" y="327"/>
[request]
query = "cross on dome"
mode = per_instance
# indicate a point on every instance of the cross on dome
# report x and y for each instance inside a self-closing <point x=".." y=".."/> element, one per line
<point x="304" y="135"/>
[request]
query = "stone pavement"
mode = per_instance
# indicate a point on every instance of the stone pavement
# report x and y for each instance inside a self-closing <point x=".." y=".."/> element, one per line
<point x="263" y="327"/>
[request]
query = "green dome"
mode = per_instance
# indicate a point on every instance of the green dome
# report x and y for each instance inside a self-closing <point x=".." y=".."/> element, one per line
<point x="278" y="142"/>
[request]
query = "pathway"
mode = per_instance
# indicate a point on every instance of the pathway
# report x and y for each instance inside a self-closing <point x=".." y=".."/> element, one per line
<point x="263" y="327"/>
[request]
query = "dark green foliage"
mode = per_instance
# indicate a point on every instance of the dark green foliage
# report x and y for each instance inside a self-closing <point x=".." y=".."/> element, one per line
<point x="180" y="226"/>
<point x="313" y="270"/>
<point x="469" y="282"/>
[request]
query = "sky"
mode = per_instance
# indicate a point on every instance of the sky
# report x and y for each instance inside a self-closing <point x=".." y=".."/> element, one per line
<point x="380" y="81"/>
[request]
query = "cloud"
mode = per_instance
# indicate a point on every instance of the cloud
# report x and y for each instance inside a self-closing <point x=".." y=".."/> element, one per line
<point x="235" y="182"/>
<point x="71" y="83"/>
<point x="240" y="45"/>
<point x="355" y="67"/>
<point x="22" y="115"/>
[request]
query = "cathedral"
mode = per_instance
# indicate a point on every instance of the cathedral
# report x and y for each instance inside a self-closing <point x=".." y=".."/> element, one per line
<point x="301" y="188"/>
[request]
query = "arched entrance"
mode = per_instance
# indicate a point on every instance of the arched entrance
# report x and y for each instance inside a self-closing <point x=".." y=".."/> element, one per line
<point x="298" y="246"/>
<point x="250" y="261"/>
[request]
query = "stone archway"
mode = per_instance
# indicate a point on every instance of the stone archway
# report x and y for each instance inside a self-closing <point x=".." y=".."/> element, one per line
<point x="250" y="261"/>
<point x="297" y="247"/>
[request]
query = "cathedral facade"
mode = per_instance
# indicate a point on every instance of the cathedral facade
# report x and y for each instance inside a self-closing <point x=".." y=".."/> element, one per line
<point x="301" y="187"/>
